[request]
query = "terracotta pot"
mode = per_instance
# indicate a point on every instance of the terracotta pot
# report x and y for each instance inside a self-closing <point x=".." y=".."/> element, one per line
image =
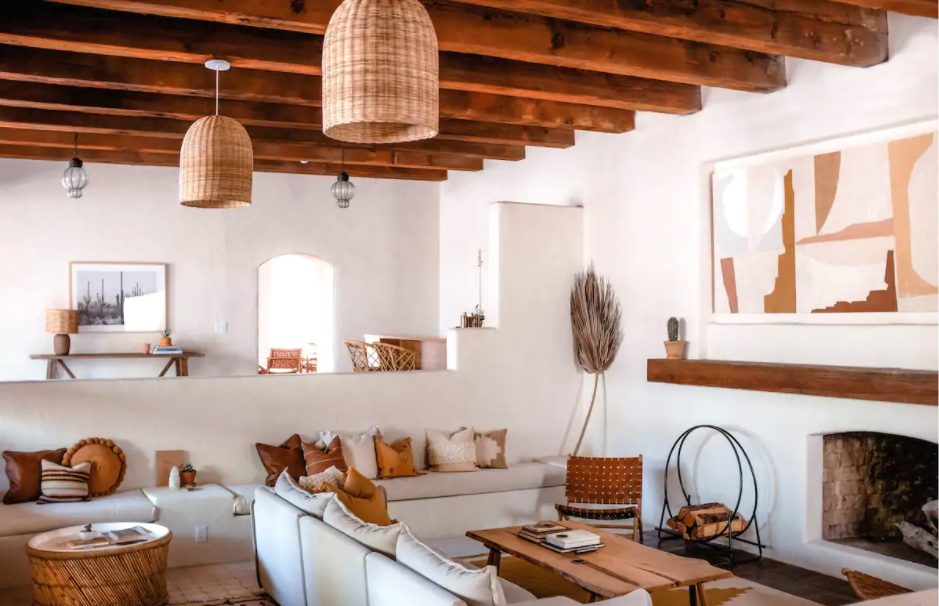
<point x="165" y="341"/>
<point x="187" y="478"/>
<point x="145" y="348"/>
<point x="675" y="350"/>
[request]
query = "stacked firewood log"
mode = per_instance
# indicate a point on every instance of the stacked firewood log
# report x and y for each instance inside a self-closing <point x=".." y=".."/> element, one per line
<point x="700" y="522"/>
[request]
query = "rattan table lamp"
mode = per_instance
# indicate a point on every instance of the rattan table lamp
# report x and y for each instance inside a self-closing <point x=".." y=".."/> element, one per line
<point x="62" y="322"/>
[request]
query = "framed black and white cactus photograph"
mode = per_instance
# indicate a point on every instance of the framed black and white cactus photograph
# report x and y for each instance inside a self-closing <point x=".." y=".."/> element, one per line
<point x="117" y="296"/>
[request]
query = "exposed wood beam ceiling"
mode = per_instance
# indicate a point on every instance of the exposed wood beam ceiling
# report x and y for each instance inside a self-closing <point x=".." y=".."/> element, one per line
<point x="128" y="74"/>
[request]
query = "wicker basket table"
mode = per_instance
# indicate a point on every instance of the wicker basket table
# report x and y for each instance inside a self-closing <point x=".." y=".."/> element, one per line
<point x="120" y="575"/>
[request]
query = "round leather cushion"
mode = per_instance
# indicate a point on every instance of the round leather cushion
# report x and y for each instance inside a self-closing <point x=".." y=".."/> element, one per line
<point x="107" y="465"/>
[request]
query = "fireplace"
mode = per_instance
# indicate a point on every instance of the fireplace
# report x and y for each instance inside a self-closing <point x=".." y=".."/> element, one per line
<point x="871" y="482"/>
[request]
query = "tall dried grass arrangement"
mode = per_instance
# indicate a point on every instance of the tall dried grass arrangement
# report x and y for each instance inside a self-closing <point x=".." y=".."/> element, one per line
<point x="595" y="322"/>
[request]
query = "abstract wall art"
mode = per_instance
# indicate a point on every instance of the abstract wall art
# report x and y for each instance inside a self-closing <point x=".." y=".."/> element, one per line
<point x="842" y="231"/>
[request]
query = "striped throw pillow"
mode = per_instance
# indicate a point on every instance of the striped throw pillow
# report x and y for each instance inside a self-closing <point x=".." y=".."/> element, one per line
<point x="62" y="484"/>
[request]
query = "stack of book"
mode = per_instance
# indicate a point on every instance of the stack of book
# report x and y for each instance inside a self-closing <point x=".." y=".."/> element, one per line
<point x="166" y="349"/>
<point x="560" y="538"/>
<point x="539" y="531"/>
<point x="576" y="541"/>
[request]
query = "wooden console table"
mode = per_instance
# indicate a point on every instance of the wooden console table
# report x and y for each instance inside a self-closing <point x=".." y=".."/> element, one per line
<point x="179" y="361"/>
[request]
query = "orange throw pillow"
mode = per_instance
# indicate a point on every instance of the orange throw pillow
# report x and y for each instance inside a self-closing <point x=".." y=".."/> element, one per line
<point x="363" y="498"/>
<point x="317" y="461"/>
<point x="395" y="460"/>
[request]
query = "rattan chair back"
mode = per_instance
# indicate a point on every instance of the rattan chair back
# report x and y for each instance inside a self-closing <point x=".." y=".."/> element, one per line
<point x="393" y="358"/>
<point x="364" y="357"/>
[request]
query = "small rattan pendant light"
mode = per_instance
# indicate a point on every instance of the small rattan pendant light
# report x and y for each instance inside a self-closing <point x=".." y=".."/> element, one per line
<point x="380" y="73"/>
<point x="216" y="161"/>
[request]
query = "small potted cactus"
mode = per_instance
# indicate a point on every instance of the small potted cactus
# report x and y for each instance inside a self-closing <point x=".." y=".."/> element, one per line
<point x="187" y="475"/>
<point x="674" y="348"/>
<point x="165" y="340"/>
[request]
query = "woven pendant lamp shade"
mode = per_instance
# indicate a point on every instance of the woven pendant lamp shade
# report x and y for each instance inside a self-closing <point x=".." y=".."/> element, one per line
<point x="380" y="73"/>
<point x="216" y="164"/>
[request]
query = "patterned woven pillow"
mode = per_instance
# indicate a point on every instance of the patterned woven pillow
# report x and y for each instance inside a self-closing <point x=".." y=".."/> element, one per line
<point x="317" y="482"/>
<point x="448" y="451"/>
<point x="319" y="457"/>
<point x="63" y="484"/>
<point x="490" y="449"/>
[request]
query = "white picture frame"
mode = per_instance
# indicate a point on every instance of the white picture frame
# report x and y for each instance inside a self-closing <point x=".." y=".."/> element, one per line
<point x="811" y="148"/>
<point x="94" y="289"/>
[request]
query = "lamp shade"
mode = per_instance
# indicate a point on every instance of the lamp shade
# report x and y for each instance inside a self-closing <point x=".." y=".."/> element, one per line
<point x="216" y="164"/>
<point x="62" y="321"/>
<point x="380" y="73"/>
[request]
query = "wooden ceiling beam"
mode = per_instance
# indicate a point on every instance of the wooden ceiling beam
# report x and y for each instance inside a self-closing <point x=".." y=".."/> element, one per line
<point x="169" y="160"/>
<point x="458" y="72"/>
<point x="263" y="150"/>
<point x="918" y="8"/>
<point x="734" y="23"/>
<point x="22" y="64"/>
<point x="38" y="119"/>
<point x="459" y="29"/>
<point x="474" y="107"/>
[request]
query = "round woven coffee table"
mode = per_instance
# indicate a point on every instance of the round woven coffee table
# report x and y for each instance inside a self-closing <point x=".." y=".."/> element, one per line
<point x="129" y="575"/>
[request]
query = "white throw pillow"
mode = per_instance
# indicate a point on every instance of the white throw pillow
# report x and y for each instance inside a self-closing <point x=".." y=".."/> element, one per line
<point x="383" y="539"/>
<point x="451" y="451"/>
<point x="312" y="503"/>
<point x="358" y="449"/>
<point x="476" y="586"/>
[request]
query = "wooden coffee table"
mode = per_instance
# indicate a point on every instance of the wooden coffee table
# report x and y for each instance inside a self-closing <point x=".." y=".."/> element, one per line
<point x="620" y="567"/>
<point x="129" y="575"/>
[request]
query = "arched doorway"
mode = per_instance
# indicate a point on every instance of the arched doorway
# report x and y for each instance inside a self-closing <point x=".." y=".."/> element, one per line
<point x="296" y="312"/>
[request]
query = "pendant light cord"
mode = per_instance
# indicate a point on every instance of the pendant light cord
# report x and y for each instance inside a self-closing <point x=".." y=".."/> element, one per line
<point x="76" y="144"/>
<point x="216" y="92"/>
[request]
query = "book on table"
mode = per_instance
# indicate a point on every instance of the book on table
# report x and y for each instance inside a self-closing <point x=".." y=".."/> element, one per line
<point x="126" y="536"/>
<point x="572" y="539"/>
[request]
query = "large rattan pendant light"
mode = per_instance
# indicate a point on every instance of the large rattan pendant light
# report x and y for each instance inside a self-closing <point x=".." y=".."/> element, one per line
<point x="380" y="73"/>
<point x="216" y="160"/>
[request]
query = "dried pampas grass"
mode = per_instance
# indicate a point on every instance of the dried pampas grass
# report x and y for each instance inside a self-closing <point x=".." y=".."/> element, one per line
<point x="595" y="322"/>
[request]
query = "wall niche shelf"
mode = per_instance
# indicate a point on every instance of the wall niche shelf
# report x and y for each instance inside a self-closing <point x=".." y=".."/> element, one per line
<point x="854" y="382"/>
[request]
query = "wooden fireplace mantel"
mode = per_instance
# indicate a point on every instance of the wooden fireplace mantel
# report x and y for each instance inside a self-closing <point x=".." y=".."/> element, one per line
<point x="855" y="382"/>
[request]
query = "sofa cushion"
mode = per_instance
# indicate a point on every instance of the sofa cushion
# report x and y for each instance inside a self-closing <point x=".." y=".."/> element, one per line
<point x="244" y="497"/>
<point x="477" y="587"/>
<point x="25" y="472"/>
<point x="521" y="476"/>
<point x="31" y="518"/>
<point x="391" y="584"/>
<point x="373" y="536"/>
<point x="363" y="498"/>
<point x="358" y="449"/>
<point x="276" y="459"/>
<point x="312" y="503"/>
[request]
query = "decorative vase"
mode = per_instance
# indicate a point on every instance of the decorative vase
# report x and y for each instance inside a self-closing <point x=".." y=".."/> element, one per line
<point x="61" y="344"/>
<point x="188" y="478"/>
<point x="174" y="482"/>
<point x="166" y="341"/>
<point x="144" y="348"/>
<point x="675" y="350"/>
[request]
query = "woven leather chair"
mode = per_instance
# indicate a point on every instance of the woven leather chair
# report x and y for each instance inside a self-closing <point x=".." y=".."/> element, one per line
<point x="364" y="357"/>
<point x="393" y="358"/>
<point x="601" y="489"/>
<point x="868" y="587"/>
<point x="284" y="361"/>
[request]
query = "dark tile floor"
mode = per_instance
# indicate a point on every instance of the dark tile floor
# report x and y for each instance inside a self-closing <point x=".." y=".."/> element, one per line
<point x="807" y="584"/>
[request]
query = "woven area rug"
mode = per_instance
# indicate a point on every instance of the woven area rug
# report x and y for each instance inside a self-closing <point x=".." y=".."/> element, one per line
<point x="729" y="592"/>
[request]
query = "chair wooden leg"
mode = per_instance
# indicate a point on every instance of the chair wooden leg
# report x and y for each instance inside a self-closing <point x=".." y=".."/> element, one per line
<point x="702" y="596"/>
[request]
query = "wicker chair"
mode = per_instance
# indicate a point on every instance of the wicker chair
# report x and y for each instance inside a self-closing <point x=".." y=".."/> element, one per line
<point x="393" y="358"/>
<point x="364" y="357"/>
<point x="284" y="361"/>
<point x="871" y="588"/>
<point x="613" y="483"/>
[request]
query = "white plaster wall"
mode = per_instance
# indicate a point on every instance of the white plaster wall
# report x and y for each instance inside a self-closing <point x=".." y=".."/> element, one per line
<point x="384" y="249"/>
<point x="645" y="199"/>
<point x="515" y="377"/>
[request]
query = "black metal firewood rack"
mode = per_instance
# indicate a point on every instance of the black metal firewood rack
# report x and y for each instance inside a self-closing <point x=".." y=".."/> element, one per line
<point x="665" y="533"/>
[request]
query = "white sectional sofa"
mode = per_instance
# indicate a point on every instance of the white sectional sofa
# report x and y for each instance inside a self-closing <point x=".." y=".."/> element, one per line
<point x="303" y="561"/>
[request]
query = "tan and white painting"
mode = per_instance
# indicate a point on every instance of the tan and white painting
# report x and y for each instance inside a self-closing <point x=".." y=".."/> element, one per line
<point x="846" y="229"/>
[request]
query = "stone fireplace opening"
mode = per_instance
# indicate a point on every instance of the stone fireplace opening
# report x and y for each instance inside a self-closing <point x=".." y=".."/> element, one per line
<point x="873" y="482"/>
